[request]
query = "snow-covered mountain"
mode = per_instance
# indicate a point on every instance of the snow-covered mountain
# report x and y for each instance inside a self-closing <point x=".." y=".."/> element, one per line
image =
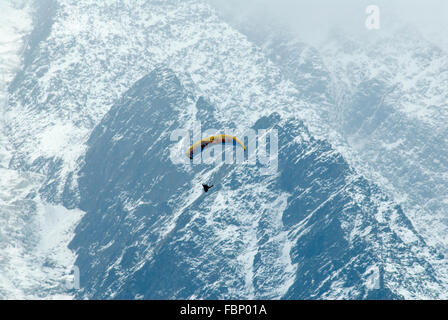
<point x="316" y="229"/>
<point x="34" y="258"/>
<point x="88" y="120"/>
<point x="385" y="97"/>
<point x="395" y="111"/>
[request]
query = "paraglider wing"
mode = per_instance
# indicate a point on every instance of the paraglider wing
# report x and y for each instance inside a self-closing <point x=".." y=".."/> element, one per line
<point x="197" y="147"/>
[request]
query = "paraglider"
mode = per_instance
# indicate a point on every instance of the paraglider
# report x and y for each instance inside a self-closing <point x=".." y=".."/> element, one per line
<point x="199" y="146"/>
<point x="206" y="187"/>
<point x="204" y="143"/>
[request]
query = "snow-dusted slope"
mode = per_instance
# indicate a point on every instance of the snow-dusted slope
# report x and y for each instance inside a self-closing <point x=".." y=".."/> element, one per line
<point x="15" y="23"/>
<point x="83" y="55"/>
<point x="95" y="51"/>
<point x="35" y="262"/>
<point x="382" y="101"/>
<point x="34" y="259"/>
<point x="395" y="115"/>
<point x="315" y="229"/>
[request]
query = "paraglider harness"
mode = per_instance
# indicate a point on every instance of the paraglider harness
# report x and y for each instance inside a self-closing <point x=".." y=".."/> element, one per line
<point x="206" y="187"/>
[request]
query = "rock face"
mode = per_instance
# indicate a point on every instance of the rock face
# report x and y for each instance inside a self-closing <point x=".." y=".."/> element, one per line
<point x="103" y="87"/>
<point x="395" y="110"/>
<point x="384" y="97"/>
<point x="314" y="229"/>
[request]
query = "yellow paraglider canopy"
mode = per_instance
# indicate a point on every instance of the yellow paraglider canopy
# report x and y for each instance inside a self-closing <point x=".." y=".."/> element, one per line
<point x="202" y="144"/>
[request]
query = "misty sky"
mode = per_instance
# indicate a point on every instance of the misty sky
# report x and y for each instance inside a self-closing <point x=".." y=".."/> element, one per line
<point x="313" y="19"/>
